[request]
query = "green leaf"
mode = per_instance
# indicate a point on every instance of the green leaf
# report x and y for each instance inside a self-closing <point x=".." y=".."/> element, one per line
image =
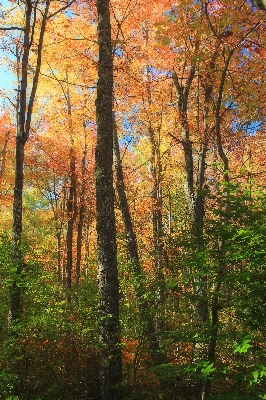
<point x="255" y="376"/>
<point x="208" y="369"/>
<point x="12" y="398"/>
<point x="244" y="346"/>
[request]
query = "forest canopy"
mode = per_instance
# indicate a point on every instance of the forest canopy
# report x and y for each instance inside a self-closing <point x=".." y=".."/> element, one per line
<point x="133" y="200"/>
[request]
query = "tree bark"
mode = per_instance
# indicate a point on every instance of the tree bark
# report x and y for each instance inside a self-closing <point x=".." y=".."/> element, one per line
<point x="81" y="215"/>
<point x="222" y="266"/>
<point x="71" y="215"/>
<point x="156" y="197"/>
<point x="157" y="225"/>
<point x="193" y="187"/>
<point x="72" y="197"/>
<point x="182" y="97"/>
<point x="23" y="129"/>
<point x="111" y="366"/>
<point x="142" y="301"/>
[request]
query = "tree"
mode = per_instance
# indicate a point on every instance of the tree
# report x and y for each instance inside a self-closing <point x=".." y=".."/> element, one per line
<point x="25" y="102"/>
<point x="189" y="243"/>
<point x="144" y="305"/>
<point x="26" y="94"/>
<point x="111" y="372"/>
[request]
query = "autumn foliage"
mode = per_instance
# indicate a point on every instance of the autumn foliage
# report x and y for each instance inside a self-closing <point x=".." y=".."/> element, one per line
<point x="189" y="97"/>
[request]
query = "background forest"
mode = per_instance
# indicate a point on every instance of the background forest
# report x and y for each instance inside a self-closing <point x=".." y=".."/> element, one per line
<point x="189" y="98"/>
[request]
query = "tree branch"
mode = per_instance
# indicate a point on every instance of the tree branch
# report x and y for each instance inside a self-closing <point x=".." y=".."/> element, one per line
<point x="12" y="28"/>
<point x="61" y="9"/>
<point x="38" y="68"/>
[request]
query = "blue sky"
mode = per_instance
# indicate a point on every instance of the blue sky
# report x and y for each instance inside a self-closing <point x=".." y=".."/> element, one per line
<point x="6" y="77"/>
<point x="6" y="82"/>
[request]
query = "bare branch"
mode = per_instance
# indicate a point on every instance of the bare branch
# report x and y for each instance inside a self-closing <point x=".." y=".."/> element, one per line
<point x="61" y="9"/>
<point x="220" y="36"/>
<point x="175" y="138"/>
<point x="6" y="97"/>
<point x="12" y="28"/>
<point x="38" y="68"/>
<point x="69" y="83"/>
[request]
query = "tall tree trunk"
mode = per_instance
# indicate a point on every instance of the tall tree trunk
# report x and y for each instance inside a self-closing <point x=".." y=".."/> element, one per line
<point x="222" y="268"/>
<point x="157" y="224"/>
<point x="23" y="128"/>
<point x="81" y="212"/>
<point x="79" y="242"/>
<point x="71" y="215"/>
<point x="58" y="228"/>
<point x="156" y="196"/>
<point x="193" y="187"/>
<point x="111" y="366"/>
<point x="72" y="197"/>
<point x="142" y="301"/>
<point x="182" y="97"/>
<point x="202" y="302"/>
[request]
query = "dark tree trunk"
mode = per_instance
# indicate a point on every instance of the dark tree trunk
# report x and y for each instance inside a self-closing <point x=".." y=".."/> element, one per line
<point x="193" y="188"/>
<point x="156" y="196"/>
<point x="23" y="129"/>
<point x="21" y="138"/>
<point x="182" y="96"/>
<point x="81" y="215"/>
<point x="222" y="265"/>
<point x="72" y="197"/>
<point x="157" y="224"/>
<point x="15" y="305"/>
<point x="111" y="367"/>
<point x="79" y="237"/>
<point x="71" y="214"/>
<point x="142" y="301"/>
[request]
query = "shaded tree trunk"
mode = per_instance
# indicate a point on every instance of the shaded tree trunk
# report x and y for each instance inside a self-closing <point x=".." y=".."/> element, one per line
<point x="208" y="83"/>
<point x="111" y="365"/>
<point x="23" y="128"/>
<point x="182" y="97"/>
<point x="71" y="214"/>
<point x="155" y="171"/>
<point x="81" y="213"/>
<point x="72" y="198"/>
<point x="142" y="301"/>
<point x="59" y="232"/>
<point x="157" y="225"/>
<point x="222" y="268"/>
<point x="193" y="187"/>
